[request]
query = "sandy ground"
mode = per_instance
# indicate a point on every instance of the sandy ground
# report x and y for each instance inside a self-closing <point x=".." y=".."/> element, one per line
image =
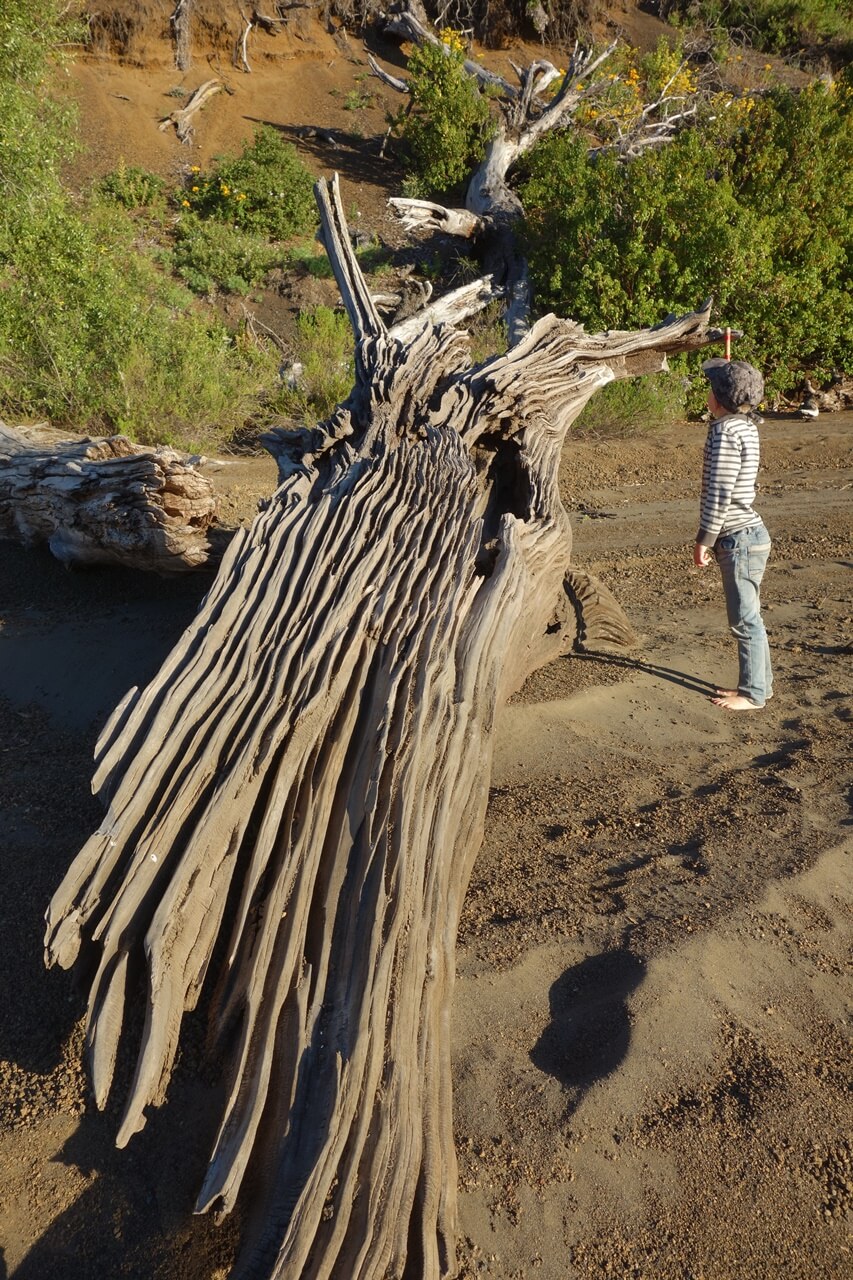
<point x="651" y="1041"/>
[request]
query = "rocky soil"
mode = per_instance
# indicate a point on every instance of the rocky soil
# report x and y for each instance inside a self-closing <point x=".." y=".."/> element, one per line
<point x="651" y="1045"/>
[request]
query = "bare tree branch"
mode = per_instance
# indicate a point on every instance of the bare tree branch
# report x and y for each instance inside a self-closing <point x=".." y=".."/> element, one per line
<point x="426" y="215"/>
<point x="182" y="118"/>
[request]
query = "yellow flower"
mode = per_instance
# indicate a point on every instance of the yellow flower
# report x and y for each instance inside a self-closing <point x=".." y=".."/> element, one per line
<point x="195" y="169"/>
<point x="185" y="203"/>
<point x="242" y="195"/>
<point x="768" y="66"/>
<point x="195" y="188"/>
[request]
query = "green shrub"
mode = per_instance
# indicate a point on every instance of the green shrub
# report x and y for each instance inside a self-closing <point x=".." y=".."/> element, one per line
<point x="488" y="333"/>
<point x="752" y="207"/>
<point x="778" y="25"/>
<point x="132" y="187"/>
<point x="94" y="337"/>
<point x="266" y="189"/>
<point x="192" y="382"/>
<point x="634" y="405"/>
<point x="36" y="132"/>
<point x="324" y="349"/>
<point x="374" y="258"/>
<point x="447" y="125"/>
<point x="213" y="256"/>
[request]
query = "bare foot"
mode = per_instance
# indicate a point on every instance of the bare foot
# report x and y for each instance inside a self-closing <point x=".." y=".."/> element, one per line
<point x="733" y="693"/>
<point x="734" y="701"/>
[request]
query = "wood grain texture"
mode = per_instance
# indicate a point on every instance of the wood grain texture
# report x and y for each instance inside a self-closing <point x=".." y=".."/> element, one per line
<point x="105" y="501"/>
<point x="299" y="795"/>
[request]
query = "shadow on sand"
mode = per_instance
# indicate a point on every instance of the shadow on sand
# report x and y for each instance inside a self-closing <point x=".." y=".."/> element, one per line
<point x="589" y="1032"/>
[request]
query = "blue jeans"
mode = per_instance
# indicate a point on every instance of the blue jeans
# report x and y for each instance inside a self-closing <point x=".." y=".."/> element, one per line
<point x="742" y="558"/>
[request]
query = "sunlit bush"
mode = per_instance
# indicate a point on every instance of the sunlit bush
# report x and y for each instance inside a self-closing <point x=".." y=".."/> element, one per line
<point x="323" y="370"/>
<point x="266" y="189"/>
<point x="779" y="25"/>
<point x="213" y="256"/>
<point x="752" y="207"/>
<point x="447" y="124"/>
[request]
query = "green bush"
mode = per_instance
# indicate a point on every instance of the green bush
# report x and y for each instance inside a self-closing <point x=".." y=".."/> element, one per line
<point x="447" y="125"/>
<point x="94" y="337"/>
<point x="132" y="187"/>
<point x="266" y="189"/>
<point x="488" y="333"/>
<point x="753" y="207"/>
<point x="213" y="256"/>
<point x="324" y="350"/>
<point x="36" y="132"/>
<point x="634" y="405"/>
<point x="781" y="26"/>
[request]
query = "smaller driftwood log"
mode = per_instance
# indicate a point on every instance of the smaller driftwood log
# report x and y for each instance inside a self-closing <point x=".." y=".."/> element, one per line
<point x="105" y="501"/>
<point x="182" y="119"/>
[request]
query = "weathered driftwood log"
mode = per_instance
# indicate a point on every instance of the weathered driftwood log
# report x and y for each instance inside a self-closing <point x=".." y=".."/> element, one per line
<point x="307" y="778"/>
<point x="105" y="501"/>
<point x="182" y="119"/>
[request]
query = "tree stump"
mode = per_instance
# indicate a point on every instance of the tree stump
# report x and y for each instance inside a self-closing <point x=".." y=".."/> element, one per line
<point x="295" y="802"/>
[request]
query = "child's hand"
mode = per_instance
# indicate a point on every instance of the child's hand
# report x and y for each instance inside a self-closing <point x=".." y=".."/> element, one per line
<point x="702" y="555"/>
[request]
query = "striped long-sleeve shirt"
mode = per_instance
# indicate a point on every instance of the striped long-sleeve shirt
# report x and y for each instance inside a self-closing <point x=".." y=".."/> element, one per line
<point x="729" y="471"/>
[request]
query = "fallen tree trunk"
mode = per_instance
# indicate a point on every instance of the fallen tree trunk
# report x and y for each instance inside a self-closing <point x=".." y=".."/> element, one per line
<point x="105" y="501"/>
<point x="295" y="802"/>
<point x="182" y="118"/>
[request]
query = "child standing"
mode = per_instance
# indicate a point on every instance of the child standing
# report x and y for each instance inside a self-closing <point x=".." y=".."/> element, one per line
<point x="730" y="530"/>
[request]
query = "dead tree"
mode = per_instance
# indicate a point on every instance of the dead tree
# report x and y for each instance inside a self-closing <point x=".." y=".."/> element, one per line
<point x="181" y="23"/>
<point x="527" y="113"/>
<point x="295" y="802"/>
<point x="106" y="501"/>
<point x="182" y="118"/>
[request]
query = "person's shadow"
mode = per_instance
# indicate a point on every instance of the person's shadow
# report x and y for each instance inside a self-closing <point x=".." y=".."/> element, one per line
<point x="589" y="1031"/>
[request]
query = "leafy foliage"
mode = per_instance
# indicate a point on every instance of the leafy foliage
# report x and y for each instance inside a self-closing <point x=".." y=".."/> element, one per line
<point x="754" y="207"/>
<point x="325" y="363"/>
<point x="213" y="256"/>
<point x="633" y="406"/>
<point x="632" y="82"/>
<point x="448" y="124"/>
<point x="777" y="25"/>
<point x="36" y="133"/>
<point x="266" y="189"/>
<point x="92" y="335"/>
<point x="132" y="187"/>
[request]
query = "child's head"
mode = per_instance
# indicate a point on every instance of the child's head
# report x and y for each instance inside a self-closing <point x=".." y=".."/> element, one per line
<point x="736" y="385"/>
